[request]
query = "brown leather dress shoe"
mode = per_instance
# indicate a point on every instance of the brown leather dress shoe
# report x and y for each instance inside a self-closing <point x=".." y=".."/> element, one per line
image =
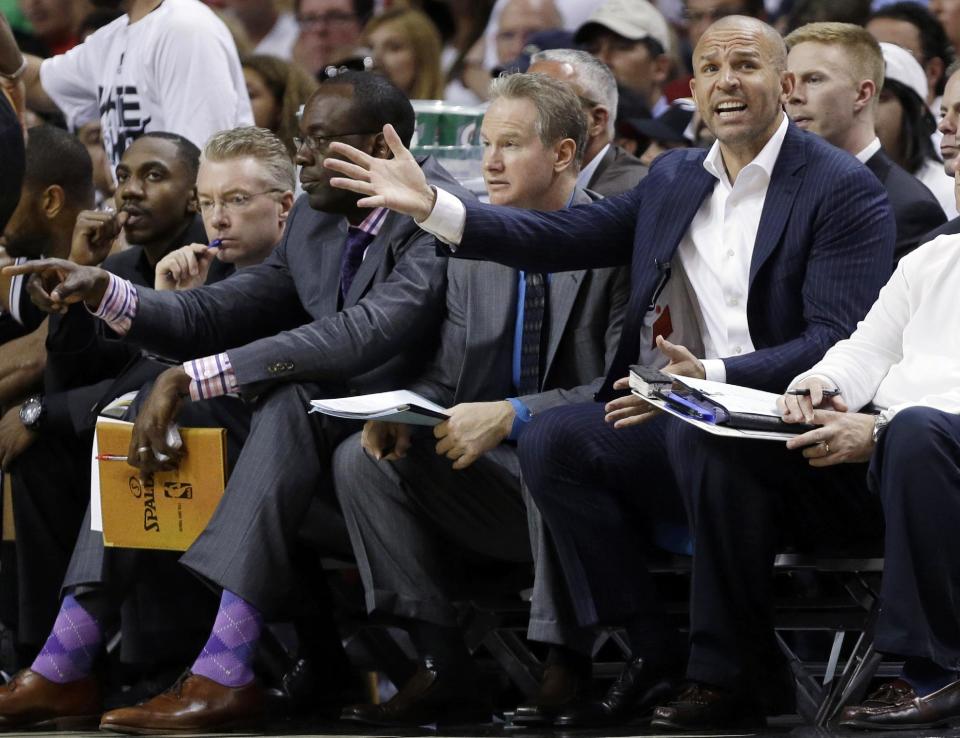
<point x="561" y="687"/>
<point x="194" y="704"/>
<point x="896" y="706"/>
<point x="30" y="700"/>
<point x="430" y="696"/>
<point x="700" y="707"/>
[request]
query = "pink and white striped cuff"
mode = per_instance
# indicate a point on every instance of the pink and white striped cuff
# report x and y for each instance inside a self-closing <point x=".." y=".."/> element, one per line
<point x="212" y="376"/>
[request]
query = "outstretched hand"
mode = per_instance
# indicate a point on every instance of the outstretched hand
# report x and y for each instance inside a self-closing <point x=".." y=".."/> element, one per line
<point x="397" y="183"/>
<point x="55" y="284"/>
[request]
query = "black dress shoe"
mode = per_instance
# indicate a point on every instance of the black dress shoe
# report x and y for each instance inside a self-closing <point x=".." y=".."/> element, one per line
<point x="432" y="695"/>
<point x="560" y="688"/>
<point x="700" y="707"/>
<point x="896" y="706"/>
<point x="637" y="690"/>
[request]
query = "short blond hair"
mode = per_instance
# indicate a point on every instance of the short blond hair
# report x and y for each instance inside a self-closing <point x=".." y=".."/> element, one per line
<point x="255" y="143"/>
<point x="863" y="49"/>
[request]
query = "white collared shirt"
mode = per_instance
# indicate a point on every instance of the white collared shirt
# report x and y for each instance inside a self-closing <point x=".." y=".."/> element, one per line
<point x="714" y="254"/>
<point x="586" y="174"/>
<point x="716" y="251"/>
<point x="868" y="151"/>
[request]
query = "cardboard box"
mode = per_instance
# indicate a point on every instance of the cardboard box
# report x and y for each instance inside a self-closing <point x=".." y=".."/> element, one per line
<point x="169" y="510"/>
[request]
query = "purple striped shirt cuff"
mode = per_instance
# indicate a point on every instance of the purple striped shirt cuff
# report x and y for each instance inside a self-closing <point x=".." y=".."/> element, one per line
<point x="212" y="376"/>
<point x="119" y="305"/>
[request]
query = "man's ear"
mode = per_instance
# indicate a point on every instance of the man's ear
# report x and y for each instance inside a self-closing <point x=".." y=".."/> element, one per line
<point x="380" y="148"/>
<point x="286" y="203"/>
<point x="192" y="205"/>
<point x="52" y="201"/>
<point x="599" y="118"/>
<point x="866" y="92"/>
<point x="788" y="81"/>
<point x="565" y="152"/>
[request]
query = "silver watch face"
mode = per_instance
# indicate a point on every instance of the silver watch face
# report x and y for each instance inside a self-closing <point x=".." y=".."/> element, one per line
<point x="30" y="412"/>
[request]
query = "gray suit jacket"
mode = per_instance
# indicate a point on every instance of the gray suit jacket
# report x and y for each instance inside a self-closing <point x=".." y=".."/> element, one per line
<point x="279" y="321"/>
<point x="474" y="362"/>
<point x="618" y="172"/>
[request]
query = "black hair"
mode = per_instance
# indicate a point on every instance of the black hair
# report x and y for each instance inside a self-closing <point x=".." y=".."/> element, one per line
<point x="376" y="102"/>
<point x="917" y="127"/>
<point x="933" y="39"/>
<point x="816" y="11"/>
<point x="187" y="151"/>
<point x="54" y="157"/>
<point x="654" y="47"/>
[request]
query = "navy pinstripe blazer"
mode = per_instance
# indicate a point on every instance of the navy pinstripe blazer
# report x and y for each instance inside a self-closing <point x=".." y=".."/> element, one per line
<point x="823" y="250"/>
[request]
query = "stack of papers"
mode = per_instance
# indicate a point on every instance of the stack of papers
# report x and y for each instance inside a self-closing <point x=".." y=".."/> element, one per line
<point x="401" y="406"/>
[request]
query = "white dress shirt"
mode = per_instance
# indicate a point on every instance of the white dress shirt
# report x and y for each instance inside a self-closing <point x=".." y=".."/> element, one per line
<point x="868" y="151"/>
<point x="714" y="254"/>
<point x="906" y="351"/>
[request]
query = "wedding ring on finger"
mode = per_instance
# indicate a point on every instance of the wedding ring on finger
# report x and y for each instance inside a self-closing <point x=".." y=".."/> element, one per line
<point x="826" y="448"/>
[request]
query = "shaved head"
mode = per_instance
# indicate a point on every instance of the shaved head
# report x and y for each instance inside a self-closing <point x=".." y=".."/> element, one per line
<point x="772" y="44"/>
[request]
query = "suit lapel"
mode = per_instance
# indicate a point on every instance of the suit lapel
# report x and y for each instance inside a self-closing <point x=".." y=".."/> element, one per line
<point x="372" y="260"/>
<point x="561" y="295"/>
<point x="784" y="184"/>
<point x="333" y="239"/>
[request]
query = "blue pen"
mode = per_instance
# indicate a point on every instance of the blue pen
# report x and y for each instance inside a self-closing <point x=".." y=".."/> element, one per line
<point x="215" y="243"/>
<point x="684" y="405"/>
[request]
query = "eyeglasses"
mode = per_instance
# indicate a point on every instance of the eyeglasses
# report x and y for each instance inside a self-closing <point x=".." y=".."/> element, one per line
<point x="334" y="18"/>
<point x="234" y="202"/>
<point x="318" y="144"/>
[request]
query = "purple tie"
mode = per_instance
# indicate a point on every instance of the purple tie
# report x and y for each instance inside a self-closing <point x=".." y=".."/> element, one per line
<point x="357" y="242"/>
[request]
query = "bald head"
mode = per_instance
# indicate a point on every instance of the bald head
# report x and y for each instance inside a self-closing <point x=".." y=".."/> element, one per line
<point x="744" y="29"/>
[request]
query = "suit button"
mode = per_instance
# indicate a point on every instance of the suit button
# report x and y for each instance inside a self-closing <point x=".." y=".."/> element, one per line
<point x="275" y="368"/>
<point x="288" y="366"/>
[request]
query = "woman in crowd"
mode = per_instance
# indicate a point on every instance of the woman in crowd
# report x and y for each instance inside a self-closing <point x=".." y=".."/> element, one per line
<point x="277" y="89"/>
<point x="905" y="125"/>
<point x="406" y="48"/>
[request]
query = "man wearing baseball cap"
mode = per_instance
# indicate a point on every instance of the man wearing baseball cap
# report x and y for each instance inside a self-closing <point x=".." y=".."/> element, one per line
<point x="632" y="38"/>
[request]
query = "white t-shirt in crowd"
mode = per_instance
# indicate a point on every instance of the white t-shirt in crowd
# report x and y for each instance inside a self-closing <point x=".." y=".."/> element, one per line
<point x="175" y="70"/>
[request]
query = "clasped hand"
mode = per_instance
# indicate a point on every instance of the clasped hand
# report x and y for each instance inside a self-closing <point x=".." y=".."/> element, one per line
<point x="152" y="448"/>
<point x="630" y="409"/>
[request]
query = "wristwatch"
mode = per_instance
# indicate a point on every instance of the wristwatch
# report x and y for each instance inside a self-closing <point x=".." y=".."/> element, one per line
<point x="32" y="412"/>
<point x="12" y="77"/>
<point x="879" y="426"/>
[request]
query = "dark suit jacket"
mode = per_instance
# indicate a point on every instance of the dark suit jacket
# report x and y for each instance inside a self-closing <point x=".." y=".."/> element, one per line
<point x="617" y="172"/>
<point x="950" y="228"/>
<point x="915" y="208"/>
<point x="11" y="161"/>
<point x="474" y="362"/>
<point x="279" y="321"/>
<point x="823" y="250"/>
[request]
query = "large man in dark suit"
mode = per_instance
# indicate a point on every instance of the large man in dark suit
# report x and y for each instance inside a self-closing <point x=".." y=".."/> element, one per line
<point x="775" y="272"/>
<point x="349" y="301"/>
<point x="839" y="74"/>
<point x="431" y="513"/>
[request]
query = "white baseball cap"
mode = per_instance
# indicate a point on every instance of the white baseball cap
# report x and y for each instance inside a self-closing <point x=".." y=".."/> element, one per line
<point x="904" y="68"/>
<point x="632" y="19"/>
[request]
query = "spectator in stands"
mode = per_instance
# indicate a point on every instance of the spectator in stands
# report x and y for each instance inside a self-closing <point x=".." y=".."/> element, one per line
<point x="348" y="302"/>
<point x="140" y="74"/>
<point x="406" y="48"/>
<point x="606" y="169"/>
<point x="948" y="126"/>
<point x="329" y="31"/>
<point x="839" y="72"/>
<point x="762" y="202"/>
<point x="948" y="13"/>
<point x="672" y="129"/>
<point x="271" y="32"/>
<point x="54" y="23"/>
<point x="913" y="27"/>
<point x="244" y="192"/>
<point x="700" y="14"/>
<point x="825" y="11"/>
<point x="89" y="135"/>
<point x="861" y="476"/>
<point x="905" y="124"/>
<point x="412" y="509"/>
<point x="277" y="90"/>
<point x="632" y="38"/>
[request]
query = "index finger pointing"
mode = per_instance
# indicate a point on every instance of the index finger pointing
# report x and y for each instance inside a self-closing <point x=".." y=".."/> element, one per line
<point x="31" y="267"/>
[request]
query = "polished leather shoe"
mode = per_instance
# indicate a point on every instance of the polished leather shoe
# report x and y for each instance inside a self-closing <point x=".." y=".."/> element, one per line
<point x="30" y="700"/>
<point x="896" y="706"/>
<point x="560" y="688"/>
<point x="431" y="695"/>
<point x="637" y="690"/>
<point x="194" y="704"/>
<point x="700" y="707"/>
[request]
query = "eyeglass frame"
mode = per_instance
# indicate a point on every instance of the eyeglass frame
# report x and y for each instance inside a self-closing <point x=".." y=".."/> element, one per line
<point x="228" y="208"/>
<point x="310" y="140"/>
<point x="332" y="18"/>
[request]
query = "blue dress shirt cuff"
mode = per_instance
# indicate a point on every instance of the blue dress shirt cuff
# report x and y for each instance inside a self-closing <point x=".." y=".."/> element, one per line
<point x="524" y="416"/>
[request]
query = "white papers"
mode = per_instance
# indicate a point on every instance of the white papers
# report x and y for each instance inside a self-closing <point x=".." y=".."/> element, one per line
<point x="734" y="398"/>
<point x="401" y="406"/>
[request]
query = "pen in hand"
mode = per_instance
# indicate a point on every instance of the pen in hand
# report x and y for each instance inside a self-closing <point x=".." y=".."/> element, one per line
<point x="804" y="392"/>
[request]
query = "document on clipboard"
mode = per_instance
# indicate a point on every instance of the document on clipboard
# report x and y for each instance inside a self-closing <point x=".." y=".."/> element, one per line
<point x="715" y="407"/>
<point x="401" y="406"/>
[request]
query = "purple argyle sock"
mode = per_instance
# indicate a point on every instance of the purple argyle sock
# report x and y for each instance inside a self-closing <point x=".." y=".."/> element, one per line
<point x="72" y="646"/>
<point x="228" y="653"/>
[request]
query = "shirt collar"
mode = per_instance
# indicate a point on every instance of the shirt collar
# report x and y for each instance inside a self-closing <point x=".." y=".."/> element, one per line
<point x="586" y="174"/>
<point x="869" y="150"/>
<point x="765" y="160"/>
<point x="372" y="223"/>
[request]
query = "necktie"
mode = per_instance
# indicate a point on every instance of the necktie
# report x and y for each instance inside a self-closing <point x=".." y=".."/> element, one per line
<point x="357" y="242"/>
<point x="534" y="304"/>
